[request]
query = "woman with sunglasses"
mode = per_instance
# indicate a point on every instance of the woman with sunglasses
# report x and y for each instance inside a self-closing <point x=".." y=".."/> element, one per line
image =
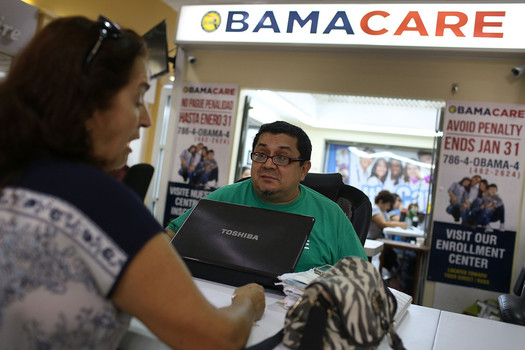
<point x="71" y="272"/>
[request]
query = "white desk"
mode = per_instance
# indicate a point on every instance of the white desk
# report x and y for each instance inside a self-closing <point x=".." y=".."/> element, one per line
<point x="422" y="328"/>
<point x="417" y="329"/>
<point x="459" y="332"/>
<point x="404" y="232"/>
<point x="274" y="313"/>
<point x="373" y="247"/>
<point x="139" y="337"/>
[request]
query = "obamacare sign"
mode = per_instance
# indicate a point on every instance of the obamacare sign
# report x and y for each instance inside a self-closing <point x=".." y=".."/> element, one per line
<point x="447" y="25"/>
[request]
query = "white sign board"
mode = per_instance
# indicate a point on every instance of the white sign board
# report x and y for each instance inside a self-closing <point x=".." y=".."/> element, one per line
<point x="498" y="26"/>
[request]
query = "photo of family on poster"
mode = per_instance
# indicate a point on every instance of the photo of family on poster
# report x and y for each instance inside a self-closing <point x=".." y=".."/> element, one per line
<point x="372" y="169"/>
<point x="476" y="203"/>
<point x="198" y="166"/>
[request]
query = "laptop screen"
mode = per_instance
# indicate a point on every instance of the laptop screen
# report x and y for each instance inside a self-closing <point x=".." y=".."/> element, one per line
<point x="243" y="238"/>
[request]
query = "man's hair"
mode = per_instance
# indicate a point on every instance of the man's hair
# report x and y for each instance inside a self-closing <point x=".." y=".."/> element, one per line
<point x="50" y="92"/>
<point x="385" y="197"/>
<point x="281" y="127"/>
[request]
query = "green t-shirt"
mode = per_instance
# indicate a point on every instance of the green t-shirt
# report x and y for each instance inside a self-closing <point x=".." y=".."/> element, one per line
<point x="332" y="238"/>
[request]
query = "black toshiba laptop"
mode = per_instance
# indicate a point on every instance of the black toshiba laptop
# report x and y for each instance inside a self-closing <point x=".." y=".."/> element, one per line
<point x="237" y="244"/>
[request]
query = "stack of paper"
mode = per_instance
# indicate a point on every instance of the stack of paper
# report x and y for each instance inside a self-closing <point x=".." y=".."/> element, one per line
<point x="294" y="285"/>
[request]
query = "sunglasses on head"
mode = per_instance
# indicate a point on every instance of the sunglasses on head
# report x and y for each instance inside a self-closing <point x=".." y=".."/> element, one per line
<point x="107" y="29"/>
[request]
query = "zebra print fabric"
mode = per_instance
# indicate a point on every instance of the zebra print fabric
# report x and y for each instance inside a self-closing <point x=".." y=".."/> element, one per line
<point x="348" y="307"/>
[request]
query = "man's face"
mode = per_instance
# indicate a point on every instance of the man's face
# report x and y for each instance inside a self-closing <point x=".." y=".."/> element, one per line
<point x="278" y="184"/>
<point x="475" y="180"/>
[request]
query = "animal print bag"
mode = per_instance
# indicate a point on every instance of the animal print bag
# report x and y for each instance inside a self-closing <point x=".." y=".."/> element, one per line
<point x="348" y="307"/>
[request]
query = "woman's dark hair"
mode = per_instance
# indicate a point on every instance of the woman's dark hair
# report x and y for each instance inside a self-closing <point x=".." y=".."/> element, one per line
<point x="374" y="168"/>
<point x="486" y="184"/>
<point x="385" y="197"/>
<point x="463" y="180"/>
<point x="50" y="92"/>
<point x="281" y="127"/>
<point x="397" y="177"/>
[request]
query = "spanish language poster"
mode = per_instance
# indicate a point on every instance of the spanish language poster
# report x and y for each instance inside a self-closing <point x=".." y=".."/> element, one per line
<point x="204" y="134"/>
<point x="479" y="188"/>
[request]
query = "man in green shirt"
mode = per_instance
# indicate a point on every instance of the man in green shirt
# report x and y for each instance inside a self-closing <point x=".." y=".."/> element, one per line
<point x="281" y="160"/>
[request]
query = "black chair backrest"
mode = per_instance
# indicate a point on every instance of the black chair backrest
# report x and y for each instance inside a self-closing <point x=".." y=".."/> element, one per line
<point x="354" y="203"/>
<point x="359" y="211"/>
<point x="519" y="287"/>
<point x="328" y="185"/>
<point x="138" y="178"/>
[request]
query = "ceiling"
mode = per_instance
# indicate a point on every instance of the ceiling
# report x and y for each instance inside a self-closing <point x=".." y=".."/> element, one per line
<point x="177" y="3"/>
<point x="345" y="112"/>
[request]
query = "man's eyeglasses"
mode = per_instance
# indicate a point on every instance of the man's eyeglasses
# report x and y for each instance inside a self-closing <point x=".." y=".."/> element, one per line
<point x="277" y="160"/>
<point x="107" y="29"/>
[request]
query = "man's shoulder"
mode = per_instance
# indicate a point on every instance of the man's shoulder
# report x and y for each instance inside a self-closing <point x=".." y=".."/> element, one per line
<point x="231" y="189"/>
<point x="315" y="198"/>
<point x="313" y="193"/>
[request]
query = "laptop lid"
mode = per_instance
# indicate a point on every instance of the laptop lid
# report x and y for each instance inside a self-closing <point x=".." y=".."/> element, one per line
<point x="219" y="238"/>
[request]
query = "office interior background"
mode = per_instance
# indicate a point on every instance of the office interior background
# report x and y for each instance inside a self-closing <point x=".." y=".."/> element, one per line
<point x="331" y="82"/>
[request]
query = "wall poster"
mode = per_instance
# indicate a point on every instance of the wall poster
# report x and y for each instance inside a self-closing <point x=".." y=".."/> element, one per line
<point x="203" y="146"/>
<point x="373" y="168"/>
<point x="479" y="189"/>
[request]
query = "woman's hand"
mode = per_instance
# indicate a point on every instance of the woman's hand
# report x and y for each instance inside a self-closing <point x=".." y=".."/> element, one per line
<point x="255" y="293"/>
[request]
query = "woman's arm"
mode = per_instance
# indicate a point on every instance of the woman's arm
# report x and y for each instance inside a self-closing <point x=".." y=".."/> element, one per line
<point x="158" y="289"/>
<point x="382" y="223"/>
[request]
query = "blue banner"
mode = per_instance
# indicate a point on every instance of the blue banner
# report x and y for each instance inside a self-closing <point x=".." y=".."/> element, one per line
<point x="471" y="257"/>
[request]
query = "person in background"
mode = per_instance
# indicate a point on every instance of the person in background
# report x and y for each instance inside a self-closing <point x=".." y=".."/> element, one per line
<point x="494" y="208"/>
<point x="197" y="156"/>
<point x="473" y="188"/>
<point x="395" y="174"/>
<point x="186" y="158"/>
<point x="71" y="274"/>
<point x="379" y="173"/>
<point x="246" y="172"/>
<point x="412" y="217"/>
<point x="425" y="156"/>
<point x="412" y="175"/>
<point x="360" y="171"/>
<point x="476" y="212"/>
<point x="280" y="161"/>
<point x="458" y="200"/>
<point x="210" y="169"/>
<point x="383" y="203"/>
<point x="394" y="214"/>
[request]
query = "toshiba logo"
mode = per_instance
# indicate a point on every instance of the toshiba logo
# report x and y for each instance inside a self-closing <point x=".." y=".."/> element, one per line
<point x="240" y="234"/>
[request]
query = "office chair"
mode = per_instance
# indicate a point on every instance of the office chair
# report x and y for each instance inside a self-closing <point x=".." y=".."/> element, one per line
<point x="138" y="178"/>
<point x="328" y="185"/>
<point x="354" y="203"/>
<point x="358" y="208"/>
<point x="512" y="306"/>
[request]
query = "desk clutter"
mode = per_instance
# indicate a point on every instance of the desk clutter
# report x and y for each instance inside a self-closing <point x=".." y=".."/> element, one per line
<point x="294" y="284"/>
<point x="349" y="303"/>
